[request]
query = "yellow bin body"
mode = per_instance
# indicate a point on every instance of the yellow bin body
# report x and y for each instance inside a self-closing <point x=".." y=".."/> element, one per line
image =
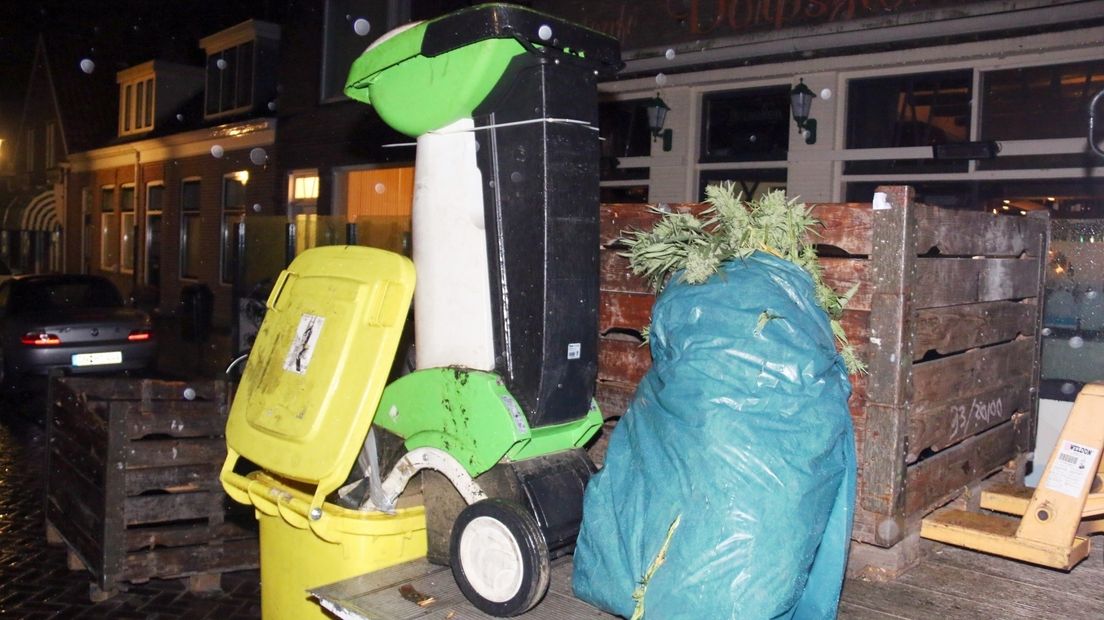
<point x="294" y="559"/>
<point x="301" y="413"/>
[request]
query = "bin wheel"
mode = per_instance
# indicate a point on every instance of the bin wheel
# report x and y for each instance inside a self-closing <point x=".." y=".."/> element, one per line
<point x="499" y="557"/>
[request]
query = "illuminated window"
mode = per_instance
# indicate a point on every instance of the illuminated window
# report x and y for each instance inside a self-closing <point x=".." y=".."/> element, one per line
<point x="136" y="99"/>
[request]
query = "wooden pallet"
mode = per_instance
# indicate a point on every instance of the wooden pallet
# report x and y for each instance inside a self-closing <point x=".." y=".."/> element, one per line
<point x="132" y="482"/>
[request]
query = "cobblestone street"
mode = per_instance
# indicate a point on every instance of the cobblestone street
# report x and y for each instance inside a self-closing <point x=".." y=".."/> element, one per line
<point x="35" y="582"/>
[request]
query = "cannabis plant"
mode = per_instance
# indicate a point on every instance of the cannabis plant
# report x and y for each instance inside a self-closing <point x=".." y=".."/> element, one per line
<point x="732" y="228"/>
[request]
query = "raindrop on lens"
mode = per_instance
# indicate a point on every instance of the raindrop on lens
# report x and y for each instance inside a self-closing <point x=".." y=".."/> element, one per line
<point x="661" y="79"/>
<point x="1068" y="388"/>
<point x="258" y="156"/>
<point x="516" y="177"/>
<point x="1046" y="331"/>
<point x="362" y="27"/>
<point x="1076" y="342"/>
<point x="753" y="138"/>
<point x="180" y="117"/>
<point x="216" y="151"/>
<point x="221" y="64"/>
<point x="544" y="32"/>
<point x="256" y="207"/>
<point x="380" y="188"/>
<point x="87" y="65"/>
<point x="189" y="393"/>
<point x="272" y="105"/>
<point x="1091" y="294"/>
<point x="670" y="54"/>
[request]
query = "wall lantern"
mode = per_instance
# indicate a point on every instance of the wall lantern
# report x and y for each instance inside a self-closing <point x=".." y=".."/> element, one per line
<point x="657" y="115"/>
<point x="801" y="102"/>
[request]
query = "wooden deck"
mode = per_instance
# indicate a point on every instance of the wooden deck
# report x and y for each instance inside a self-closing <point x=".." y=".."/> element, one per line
<point x="955" y="583"/>
<point x="950" y="583"/>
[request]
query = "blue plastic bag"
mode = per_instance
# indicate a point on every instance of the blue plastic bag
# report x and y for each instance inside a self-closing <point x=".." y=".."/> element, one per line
<point x="741" y="431"/>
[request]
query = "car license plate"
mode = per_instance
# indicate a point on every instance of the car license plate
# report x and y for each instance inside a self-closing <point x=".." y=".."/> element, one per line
<point x="98" y="359"/>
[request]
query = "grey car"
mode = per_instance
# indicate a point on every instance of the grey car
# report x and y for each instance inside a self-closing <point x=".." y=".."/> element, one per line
<point x="75" y="323"/>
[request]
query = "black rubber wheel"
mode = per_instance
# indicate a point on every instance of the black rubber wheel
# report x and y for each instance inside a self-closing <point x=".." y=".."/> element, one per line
<point x="499" y="557"/>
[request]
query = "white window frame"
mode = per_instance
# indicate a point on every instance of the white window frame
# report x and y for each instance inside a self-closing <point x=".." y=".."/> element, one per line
<point x="133" y="109"/>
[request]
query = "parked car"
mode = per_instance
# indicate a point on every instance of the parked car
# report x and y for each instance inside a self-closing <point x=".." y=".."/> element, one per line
<point x="75" y="323"/>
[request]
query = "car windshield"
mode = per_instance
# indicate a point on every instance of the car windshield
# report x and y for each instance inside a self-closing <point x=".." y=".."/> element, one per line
<point x="54" y="295"/>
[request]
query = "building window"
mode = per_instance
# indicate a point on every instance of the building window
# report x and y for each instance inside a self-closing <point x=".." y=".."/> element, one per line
<point x="746" y="125"/>
<point x="1014" y="100"/>
<point x="230" y="79"/>
<point x="126" y="228"/>
<point x="190" y="221"/>
<point x="29" y="149"/>
<point x="303" y="191"/>
<point x="50" y="152"/>
<point x="351" y="26"/>
<point x="109" y="230"/>
<point x="155" y="200"/>
<point x="233" y="210"/>
<point x="908" y="111"/>
<point x="136" y="98"/>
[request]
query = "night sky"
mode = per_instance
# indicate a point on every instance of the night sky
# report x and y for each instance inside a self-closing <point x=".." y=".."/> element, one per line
<point x="116" y="33"/>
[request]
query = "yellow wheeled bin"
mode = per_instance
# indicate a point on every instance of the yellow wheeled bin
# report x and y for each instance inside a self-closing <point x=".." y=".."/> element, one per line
<point x="300" y="417"/>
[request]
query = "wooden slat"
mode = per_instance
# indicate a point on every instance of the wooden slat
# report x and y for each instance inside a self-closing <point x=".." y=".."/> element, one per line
<point x="174" y="418"/>
<point x="957" y="328"/>
<point x="191" y="560"/>
<point x="173" y="479"/>
<point x="631" y="311"/>
<point x="171" y="507"/>
<point x="614" y="397"/>
<point x="174" y="452"/>
<point x="78" y="515"/>
<point x="148" y="538"/>
<point x="974" y="233"/>
<point x="958" y="396"/>
<point x="622" y="360"/>
<point x="843" y="273"/>
<point x="77" y="456"/>
<point x="616" y="275"/>
<point x="950" y="281"/>
<point x="78" y="536"/>
<point x="846" y="226"/>
<point x="935" y="480"/>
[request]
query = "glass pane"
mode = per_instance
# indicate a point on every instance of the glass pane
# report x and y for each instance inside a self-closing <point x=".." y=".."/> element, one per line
<point x="149" y="104"/>
<point x="908" y="110"/>
<point x="107" y="199"/>
<point x="153" y="249"/>
<point x="228" y="255"/>
<point x="233" y="191"/>
<point x="128" y="108"/>
<point x="623" y="126"/>
<point x="244" y="86"/>
<point x="139" y="105"/>
<point x="127" y="248"/>
<point x="190" y="257"/>
<point x="109" y="242"/>
<point x="389" y="232"/>
<point x="346" y="20"/>
<point x="189" y="196"/>
<point x="631" y="194"/>
<point x="214" y="85"/>
<point x="126" y="198"/>
<point x="317" y="230"/>
<point x="228" y="79"/>
<point x="749" y="125"/>
<point x="1013" y="101"/>
<point x="155" y="197"/>
<point x="751" y="183"/>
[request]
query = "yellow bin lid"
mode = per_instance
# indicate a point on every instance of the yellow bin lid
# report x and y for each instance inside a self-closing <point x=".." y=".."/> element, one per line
<point x="319" y="364"/>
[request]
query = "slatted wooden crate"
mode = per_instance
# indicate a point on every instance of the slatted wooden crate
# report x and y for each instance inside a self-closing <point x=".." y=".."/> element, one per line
<point x="946" y="317"/>
<point x="132" y="482"/>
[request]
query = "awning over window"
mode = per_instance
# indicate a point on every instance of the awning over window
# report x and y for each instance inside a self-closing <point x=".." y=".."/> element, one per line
<point x="31" y="212"/>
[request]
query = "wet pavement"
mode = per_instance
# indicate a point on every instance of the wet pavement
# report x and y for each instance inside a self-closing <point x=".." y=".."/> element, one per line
<point x="35" y="582"/>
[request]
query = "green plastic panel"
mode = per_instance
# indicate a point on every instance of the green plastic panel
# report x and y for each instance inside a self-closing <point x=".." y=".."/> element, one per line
<point x="415" y="94"/>
<point x="470" y="415"/>
<point x="320" y="363"/>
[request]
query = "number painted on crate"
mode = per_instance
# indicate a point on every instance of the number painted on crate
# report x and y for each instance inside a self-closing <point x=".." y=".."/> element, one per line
<point x="978" y="414"/>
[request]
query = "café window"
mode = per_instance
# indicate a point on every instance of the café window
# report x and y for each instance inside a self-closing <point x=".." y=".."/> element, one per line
<point x="908" y="111"/>
<point x="1014" y="100"/>
<point x="746" y="125"/>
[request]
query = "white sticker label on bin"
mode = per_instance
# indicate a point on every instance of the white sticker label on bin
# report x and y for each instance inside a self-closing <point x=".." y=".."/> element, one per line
<point x="1071" y="469"/>
<point x="880" y="202"/>
<point x="574" y="350"/>
<point x="302" y="347"/>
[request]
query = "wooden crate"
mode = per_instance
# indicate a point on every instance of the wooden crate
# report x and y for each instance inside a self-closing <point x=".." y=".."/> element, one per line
<point x="132" y="481"/>
<point x="946" y="317"/>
